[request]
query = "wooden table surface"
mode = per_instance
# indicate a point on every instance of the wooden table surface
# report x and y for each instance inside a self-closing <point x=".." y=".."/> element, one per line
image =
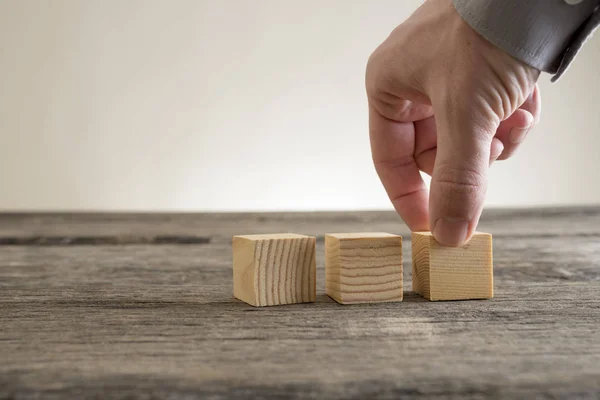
<point x="140" y="306"/>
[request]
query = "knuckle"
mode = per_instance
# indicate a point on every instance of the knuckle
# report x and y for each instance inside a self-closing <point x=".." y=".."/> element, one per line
<point x="395" y="166"/>
<point x="460" y="183"/>
<point x="396" y="163"/>
<point x="376" y="77"/>
<point x="393" y="169"/>
<point x="508" y="152"/>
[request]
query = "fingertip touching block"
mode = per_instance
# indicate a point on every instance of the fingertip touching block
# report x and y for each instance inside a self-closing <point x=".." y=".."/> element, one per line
<point x="274" y="269"/>
<point x="452" y="273"/>
<point x="363" y="267"/>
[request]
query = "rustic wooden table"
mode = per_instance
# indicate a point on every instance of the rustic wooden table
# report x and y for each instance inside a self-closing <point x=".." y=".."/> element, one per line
<point x="140" y="306"/>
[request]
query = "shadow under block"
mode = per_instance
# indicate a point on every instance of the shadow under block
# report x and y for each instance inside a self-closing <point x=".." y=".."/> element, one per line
<point x="274" y="269"/>
<point x="452" y="273"/>
<point x="363" y="267"/>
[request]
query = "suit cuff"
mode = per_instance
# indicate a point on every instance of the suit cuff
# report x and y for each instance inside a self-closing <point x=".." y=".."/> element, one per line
<point x="537" y="32"/>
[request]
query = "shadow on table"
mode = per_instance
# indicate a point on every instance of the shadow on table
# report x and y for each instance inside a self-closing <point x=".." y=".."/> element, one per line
<point x="409" y="297"/>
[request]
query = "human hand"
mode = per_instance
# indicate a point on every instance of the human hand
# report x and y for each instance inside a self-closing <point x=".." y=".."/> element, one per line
<point x="444" y="101"/>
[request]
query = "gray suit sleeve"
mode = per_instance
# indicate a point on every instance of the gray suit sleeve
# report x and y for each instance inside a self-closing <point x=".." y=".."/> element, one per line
<point x="545" y="34"/>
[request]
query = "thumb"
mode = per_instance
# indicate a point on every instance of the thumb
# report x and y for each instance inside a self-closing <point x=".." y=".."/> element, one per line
<point x="459" y="179"/>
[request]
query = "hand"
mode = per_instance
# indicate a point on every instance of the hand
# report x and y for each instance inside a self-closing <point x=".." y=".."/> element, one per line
<point x="444" y="101"/>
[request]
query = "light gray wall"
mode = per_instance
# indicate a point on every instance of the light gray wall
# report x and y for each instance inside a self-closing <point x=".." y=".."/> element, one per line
<point x="233" y="105"/>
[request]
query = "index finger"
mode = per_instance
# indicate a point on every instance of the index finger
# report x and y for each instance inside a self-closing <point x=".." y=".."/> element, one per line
<point x="392" y="148"/>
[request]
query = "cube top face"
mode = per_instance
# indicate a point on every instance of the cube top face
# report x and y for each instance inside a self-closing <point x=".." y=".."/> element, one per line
<point x="272" y="236"/>
<point x="362" y="235"/>
<point x="453" y="273"/>
<point x="274" y="269"/>
<point x="477" y="234"/>
<point x="363" y="269"/>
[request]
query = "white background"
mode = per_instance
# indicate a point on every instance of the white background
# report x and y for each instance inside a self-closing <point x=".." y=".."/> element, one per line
<point x="203" y="105"/>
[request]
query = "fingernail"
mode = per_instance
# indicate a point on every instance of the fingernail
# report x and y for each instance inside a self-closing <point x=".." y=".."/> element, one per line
<point x="451" y="231"/>
<point x="517" y="135"/>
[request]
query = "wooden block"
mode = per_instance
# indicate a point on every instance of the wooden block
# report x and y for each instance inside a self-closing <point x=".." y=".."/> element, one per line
<point x="452" y="273"/>
<point x="363" y="267"/>
<point x="274" y="269"/>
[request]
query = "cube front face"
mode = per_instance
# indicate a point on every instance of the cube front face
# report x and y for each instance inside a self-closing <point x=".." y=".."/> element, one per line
<point x="453" y="273"/>
<point x="274" y="269"/>
<point x="363" y="267"/>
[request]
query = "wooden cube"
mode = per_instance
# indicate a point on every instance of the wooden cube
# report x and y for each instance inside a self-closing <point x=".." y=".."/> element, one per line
<point x="363" y="267"/>
<point x="274" y="269"/>
<point x="452" y="273"/>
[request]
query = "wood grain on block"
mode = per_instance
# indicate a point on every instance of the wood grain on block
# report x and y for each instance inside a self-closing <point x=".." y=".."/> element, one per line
<point x="363" y="267"/>
<point x="274" y="269"/>
<point x="452" y="273"/>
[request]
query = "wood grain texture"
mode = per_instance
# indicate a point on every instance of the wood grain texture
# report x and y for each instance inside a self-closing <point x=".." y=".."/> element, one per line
<point x="150" y="321"/>
<point x="274" y="269"/>
<point x="143" y="228"/>
<point x="363" y="267"/>
<point x="452" y="273"/>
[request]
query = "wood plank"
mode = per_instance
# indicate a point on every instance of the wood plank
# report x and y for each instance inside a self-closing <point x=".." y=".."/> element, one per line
<point x="147" y="321"/>
<point x="580" y="221"/>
